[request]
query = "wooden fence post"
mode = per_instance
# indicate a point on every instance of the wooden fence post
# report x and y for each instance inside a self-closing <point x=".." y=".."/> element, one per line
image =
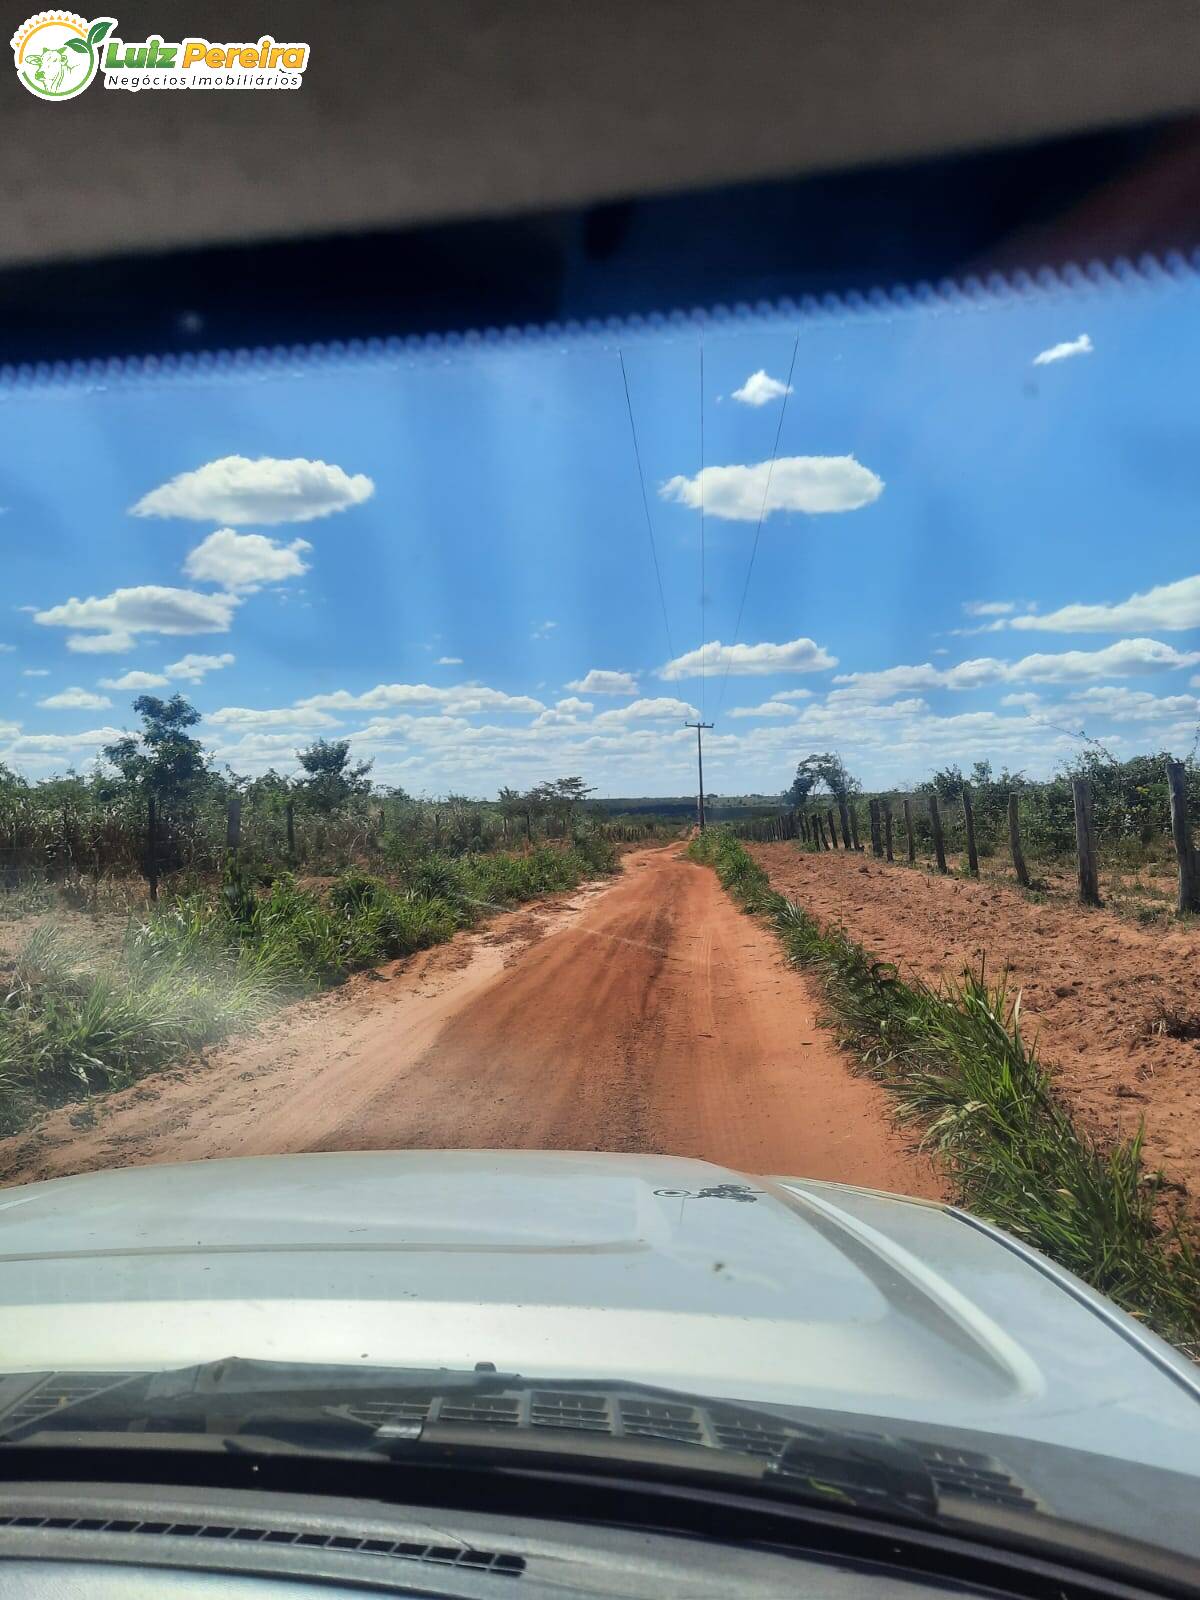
<point x="832" y="829"/>
<point x="844" y="816"/>
<point x="152" y="846"/>
<point x="233" y="824"/>
<point x="820" y="831"/>
<point x="908" y="832"/>
<point x="1181" y="832"/>
<point x="969" y="825"/>
<point x="289" y="812"/>
<point x="1085" y="842"/>
<point x="887" y="830"/>
<point x="935" y="827"/>
<point x="854" y="828"/>
<point x="876" y="838"/>
<point x="1014" y="843"/>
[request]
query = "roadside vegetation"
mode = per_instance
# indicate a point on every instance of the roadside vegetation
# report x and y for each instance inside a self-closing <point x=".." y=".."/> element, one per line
<point x="202" y="965"/>
<point x="243" y="920"/>
<point x="959" y="1070"/>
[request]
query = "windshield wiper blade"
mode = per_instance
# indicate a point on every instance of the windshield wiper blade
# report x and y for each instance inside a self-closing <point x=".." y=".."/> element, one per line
<point x="399" y="1413"/>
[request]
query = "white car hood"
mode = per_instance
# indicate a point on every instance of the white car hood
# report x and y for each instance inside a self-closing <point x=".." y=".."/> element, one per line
<point x="582" y="1265"/>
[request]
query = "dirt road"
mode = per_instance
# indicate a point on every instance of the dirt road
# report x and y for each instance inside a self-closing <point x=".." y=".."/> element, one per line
<point x="646" y="1013"/>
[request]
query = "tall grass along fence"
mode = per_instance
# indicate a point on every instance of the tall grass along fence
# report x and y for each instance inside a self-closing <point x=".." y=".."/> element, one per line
<point x="203" y="965"/>
<point x="1070" y="819"/>
<point x="959" y="1070"/>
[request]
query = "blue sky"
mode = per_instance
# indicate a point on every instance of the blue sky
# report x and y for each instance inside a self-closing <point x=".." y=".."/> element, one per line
<point x="966" y="552"/>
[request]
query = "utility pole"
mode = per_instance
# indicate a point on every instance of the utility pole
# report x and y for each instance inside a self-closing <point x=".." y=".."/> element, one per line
<point x="700" y="763"/>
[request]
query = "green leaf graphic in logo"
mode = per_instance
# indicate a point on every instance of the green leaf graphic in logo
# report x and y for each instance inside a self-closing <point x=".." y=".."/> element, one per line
<point x="98" y="29"/>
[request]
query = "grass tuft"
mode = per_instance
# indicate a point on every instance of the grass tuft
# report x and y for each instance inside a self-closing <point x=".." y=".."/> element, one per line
<point x="959" y="1069"/>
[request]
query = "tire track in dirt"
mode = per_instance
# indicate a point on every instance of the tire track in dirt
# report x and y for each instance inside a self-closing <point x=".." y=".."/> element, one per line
<point x="644" y="1014"/>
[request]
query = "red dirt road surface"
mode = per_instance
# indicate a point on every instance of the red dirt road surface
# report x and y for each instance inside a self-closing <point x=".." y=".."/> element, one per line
<point x="643" y="1014"/>
<point x="1114" y="1008"/>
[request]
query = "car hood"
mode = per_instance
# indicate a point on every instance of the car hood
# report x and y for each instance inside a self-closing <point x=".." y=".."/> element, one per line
<point x="584" y="1265"/>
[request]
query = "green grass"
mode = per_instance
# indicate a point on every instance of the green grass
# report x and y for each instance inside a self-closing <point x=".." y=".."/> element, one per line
<point x="209" y="964"/>
<point x="960" y="1071"/>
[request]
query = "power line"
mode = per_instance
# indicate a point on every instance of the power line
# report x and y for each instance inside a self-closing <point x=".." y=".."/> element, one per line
<point x="700" y="481"/>
<point x="761" y="515"/>
<point x="637" y="455"/>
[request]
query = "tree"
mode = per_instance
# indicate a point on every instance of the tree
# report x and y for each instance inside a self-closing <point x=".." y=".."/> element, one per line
<point x="827" y="769"/>
<point x="563" y="795"/>
<point x="330" y="781"/>
<point x="163" y="760"/>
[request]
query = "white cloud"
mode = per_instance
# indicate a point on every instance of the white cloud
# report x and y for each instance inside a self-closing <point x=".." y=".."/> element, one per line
<point x="35" y="672"/>
<point x="1172" y="607"/>
<point x="1027" y="700"/>
<point x="449" y="661"/>
<point x="989" y="608"/>
<point x="281" y="717"/>
<point x="57" y="743"/>
<point x="245" y="561"/>
<point x="7" y="649"/>
<point x="771" y="708"/>
<point x="1133" y="705"/>
<point x="797" y="483"/>
<point x="1060" y="352"/>
<point x="149" y="608"/>
<point x="135" y="680"/>
<point x="193" y="667"/>
<point x="793" y="694"/>
<point x="464" y="698"/>
<point x="574" y="706"/>
<point x="237" y="490"/>
<point x="750" y="660"/>
<point x="658" y="709"/>
<point x="543" y="630"/>
<point x="118" y="643"/>
<point x="1126" y="658"/>
<point x="599" y="681"/>
<point x="76" y="700"/>
<point x="760" y="390"/>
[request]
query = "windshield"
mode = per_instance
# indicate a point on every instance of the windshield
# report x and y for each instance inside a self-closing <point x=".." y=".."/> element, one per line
<point x="588" y="794"/>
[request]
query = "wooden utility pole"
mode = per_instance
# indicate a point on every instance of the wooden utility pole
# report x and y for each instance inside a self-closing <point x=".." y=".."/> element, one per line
<point x="1181" y="832"/>
<point x="700" y="763"/>
<point x="1014" y="841"/>
<point x="969" y="826"/>
<point x="935" y="828"/>
<point x="1085" y="842"/>
<point x="844" y="814"/>
<point x="876" y="836"/>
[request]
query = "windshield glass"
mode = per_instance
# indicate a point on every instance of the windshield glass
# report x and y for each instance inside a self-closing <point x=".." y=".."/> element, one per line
<point x="760" y="747"/>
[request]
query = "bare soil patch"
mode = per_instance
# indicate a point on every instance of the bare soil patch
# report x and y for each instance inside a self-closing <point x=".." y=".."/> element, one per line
<point x="1113" y="1007"/>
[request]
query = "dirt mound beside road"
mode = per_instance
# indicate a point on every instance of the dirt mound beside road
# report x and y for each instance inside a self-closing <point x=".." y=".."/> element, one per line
<point x="1114" y="1008"/>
